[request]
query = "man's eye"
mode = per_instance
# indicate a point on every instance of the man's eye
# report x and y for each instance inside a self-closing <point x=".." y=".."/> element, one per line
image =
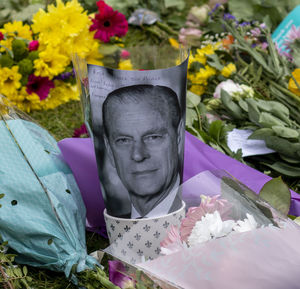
<point x="153" y="138"/>
<point x="123" y="141"/>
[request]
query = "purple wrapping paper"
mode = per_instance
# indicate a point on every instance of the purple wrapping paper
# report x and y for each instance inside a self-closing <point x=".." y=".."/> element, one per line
<point x="79" y="155"/>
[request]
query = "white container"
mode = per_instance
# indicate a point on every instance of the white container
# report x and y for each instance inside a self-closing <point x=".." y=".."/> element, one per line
<point x="136" y="240"/>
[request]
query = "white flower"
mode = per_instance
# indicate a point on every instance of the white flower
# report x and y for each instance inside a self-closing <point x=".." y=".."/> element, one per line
<point x="248" y="91"/>
<point x="229" y="86"/>
<point x="247" y="225"/>
<point x="209" y="227"/>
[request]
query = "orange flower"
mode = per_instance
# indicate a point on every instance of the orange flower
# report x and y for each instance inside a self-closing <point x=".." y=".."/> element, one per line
<point x="292" y="85"/>
<point x="227" y="41"/>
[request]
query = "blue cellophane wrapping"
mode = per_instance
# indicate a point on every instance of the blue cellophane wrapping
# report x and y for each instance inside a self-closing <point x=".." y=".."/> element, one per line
<point x="42" y="215"/>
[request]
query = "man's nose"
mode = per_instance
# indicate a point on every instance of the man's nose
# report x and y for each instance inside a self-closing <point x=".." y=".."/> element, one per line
<point x="139" y="151"/>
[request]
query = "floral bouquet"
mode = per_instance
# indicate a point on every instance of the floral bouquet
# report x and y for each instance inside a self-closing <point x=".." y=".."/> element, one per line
<point x="35" y="60"/>
<point x="228" y="239"/>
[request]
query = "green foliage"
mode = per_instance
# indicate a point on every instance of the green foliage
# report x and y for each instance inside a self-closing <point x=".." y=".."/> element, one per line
<point x="277" y="194"/>
<point x="271" y="12"/>
<point x="12" y="276"/>
<point x="19" y="10"/>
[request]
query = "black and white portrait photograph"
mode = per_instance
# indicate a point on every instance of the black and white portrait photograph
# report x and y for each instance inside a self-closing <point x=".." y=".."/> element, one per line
<point x="138" y="131"/>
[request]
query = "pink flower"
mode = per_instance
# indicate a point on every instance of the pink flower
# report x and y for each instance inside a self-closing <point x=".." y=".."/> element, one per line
<point x="172" y="243"/>
<point x="294" y="33"/>
<point x="39" y="85"/>
<point x="117" y="275"/>
<point x="33" y="45"/>
<point x="125" y="54"/>
<point x="81" y="132"/>
<point x="194" y="214"/>
<point x="1" y="36"/>
<point x="108" y="23"/>
<point x="255" y="32"/>
<point x="190" y="36"/>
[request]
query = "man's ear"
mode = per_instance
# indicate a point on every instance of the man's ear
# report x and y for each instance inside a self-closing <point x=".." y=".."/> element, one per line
<point x="109" y="151"/>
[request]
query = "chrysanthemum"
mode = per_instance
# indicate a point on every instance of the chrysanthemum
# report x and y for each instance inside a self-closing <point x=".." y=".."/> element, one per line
<point x="39" y="85"/>
<point x="43" y="24"/>
<point x="61" y="93"/>
<point x="17" y="28"/>
<point x="24" y="101"/>
<point x="71" y="15"/>
<point x="194" y="214"/>
<point x="9" y="80"/>
<point x="228" y="70"/>
<point x="108" y="23"/>
<point x="292" y="85"/>
<point x="125" y="64"/>
<point x="50" y="63"/>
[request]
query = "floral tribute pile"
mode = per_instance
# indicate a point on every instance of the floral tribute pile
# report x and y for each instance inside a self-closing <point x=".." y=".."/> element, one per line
<point x="35" y="60"/>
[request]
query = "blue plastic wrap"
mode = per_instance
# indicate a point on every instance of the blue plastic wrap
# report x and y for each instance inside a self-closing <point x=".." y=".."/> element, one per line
<point x="42" y="215"/>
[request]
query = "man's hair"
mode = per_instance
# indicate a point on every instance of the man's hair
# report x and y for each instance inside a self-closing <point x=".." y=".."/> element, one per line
<point x="161" y="98"/>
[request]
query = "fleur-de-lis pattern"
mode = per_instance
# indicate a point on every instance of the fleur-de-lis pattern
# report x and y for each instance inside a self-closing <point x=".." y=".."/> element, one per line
<point x="138" y="240"/>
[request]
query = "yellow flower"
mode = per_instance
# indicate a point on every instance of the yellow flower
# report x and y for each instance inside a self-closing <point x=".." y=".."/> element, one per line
<point x="174" y="43"/>
<point x="292" y="85"/>
<point x="61" y="93"/>
<point x="9" y="80"/>
<point x="202" y="76"/>
<point x="228" y="70"/>
<point x="50" y="63"/>
<point x="26" y="102"/>
<point x="17" y="28"/>
<point x="93" y="57"/>
<point x="3" y="107"/>
<point x="197" y="89"/>
<point x="125" y="65"/>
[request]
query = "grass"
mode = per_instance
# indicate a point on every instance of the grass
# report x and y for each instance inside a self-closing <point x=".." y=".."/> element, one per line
<point x="62" y="121"/>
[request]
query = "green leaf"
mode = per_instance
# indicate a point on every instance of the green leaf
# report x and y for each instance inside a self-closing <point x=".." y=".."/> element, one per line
<point x="2" y="195"/>
<point x="261" y="133"/>
<point x="283" y="146"/>
<point x="241" y="9"/>
<point x="122" y="6"/>
<point x="26" y="13"/>
<point x="276" y="108"/>
<point x="108" y="49"/>
<point x="266" y="119"/>
<point x="180" y="4"/>
<point x="253" y="111"/>
<point x="215" y="130"/>
<point x="235" y="111"/>
<point x="277" y="194"/>
<point x="290" y="160"/>
<point x="213" y="61"/>
<point x="192" y="99"/>
<point x="190" y="117"/>
<point x="285" y="169"/>
<point x="285" y="132"/>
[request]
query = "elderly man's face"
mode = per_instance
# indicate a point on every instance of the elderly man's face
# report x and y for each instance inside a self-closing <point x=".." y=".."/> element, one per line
<point x="144" y="146"/>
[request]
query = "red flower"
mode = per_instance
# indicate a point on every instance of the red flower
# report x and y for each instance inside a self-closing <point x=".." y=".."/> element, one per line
<point x="108" y="23"/>
<point x="33" y="45"/>
<point x="1" y="36"/>
<point x="39" y="85"/>
<point x="81" y="132"/>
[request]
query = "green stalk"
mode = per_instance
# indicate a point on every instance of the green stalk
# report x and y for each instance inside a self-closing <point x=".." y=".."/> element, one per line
<point x="286" y="91"/>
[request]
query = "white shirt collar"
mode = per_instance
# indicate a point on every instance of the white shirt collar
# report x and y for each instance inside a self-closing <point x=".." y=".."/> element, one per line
<point x="163" y="207"/>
